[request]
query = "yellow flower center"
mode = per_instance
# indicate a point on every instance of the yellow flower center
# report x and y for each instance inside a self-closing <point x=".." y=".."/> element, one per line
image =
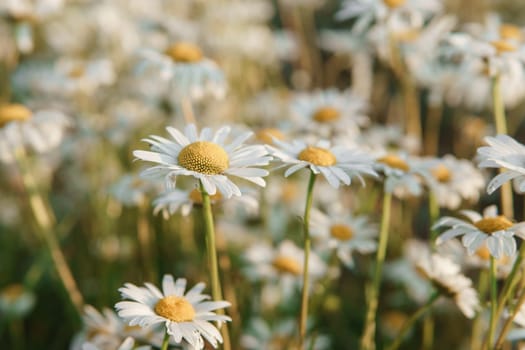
<point x="509" y="31"/>
<point x="326" y="114"/>
<point x="394" y="3"/>
<point x="176" y="309"/>
<point x="441" y="173"/>
<point x="502" y="46"/>
<point x="287" y="265"/>
<point x="341" y="232"/>
<point x="196" y="196"/>
<point x="491" y="225"/>
<point x="13" y="112"/>
<point x="317" y="156"/>
<point x="76" y="71"/>
<point x="267" y="135"/>
<point x="204" y="157"/>
<point x="184" y="52"/>
<point x="394" y="161"/>
<point x="484" y="254"/>
<point x="12" y="292"/>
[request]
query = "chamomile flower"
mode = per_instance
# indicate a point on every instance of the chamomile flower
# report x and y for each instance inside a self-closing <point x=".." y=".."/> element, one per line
<point x="184" y="314"/>
<point x="337" y="164"/>
<point x="497" y="232"/>
<point x="16" y="301"/>
<point x="327" y="112"/>
<point x="454" y="180"/>
<point x="503" y="152"/>
<point x="206" y="157"/>
<point x="392" y="12"/>
<point x="446" y="277"/>
<point x="343" y="233"/>
<point x="403" y="174"/>
<point x="20" y="127"/>
<point x="189" y="73"/>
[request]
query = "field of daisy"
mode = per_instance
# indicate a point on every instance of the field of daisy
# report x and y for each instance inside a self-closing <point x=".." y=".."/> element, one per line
<point x="262" y="174"/>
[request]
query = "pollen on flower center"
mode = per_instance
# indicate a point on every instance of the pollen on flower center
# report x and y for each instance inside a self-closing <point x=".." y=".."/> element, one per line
<point x="326" y="114"/>
<point x="441" y="173"/>
<point x="317" y="156"/>
<point x="204" y="157"/>
<point x="491" y="225"/>
<point x="394" y="161"/>
<point x="13" y="112"/>
<point x="509" y="31"/>
<point x="341" y="232"/>
<point x="287" y="265"/>
<point x="502" y="46"/>
<point x="267" y="135"/>
<point x="394" y="3"/>
<point x="184" y="52"/>
<point x="176" y="309"/>
<point x="196" y="196"/>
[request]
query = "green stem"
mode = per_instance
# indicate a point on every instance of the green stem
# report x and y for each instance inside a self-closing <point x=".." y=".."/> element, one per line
<point x="493" y="302"/>
<point x="510" y="281"/>
<point x="410" y="322"/>
<point x="433" y="208"/>
<point x="367" y="340"/>
<point x="476" y="335"/>
<point x="47" y="223"/>
<point x="306" y="229"/>
<point x="211" y="251"/>
<point x="165" y="341"/>
<point x="501" y="128"/>
<point x="508" y="322"/>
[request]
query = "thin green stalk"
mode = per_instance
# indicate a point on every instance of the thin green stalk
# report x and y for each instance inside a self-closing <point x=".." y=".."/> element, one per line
<point x="476" y="335"/>
<point x="211" y="251"/>
<point x="306" y="229"/>
<point x="510" y="281"/>
<point x="428" y="333"/>
<point x="47" y="224"/>
<point x="501" y="128"/>
<point x="433" y="209"/>
<point x="367" y="340"/>
<point x="508" y="322"/>
<point x="410" y="322"/>
<point x="165" y="341"/>
<point x="493" y="302"/>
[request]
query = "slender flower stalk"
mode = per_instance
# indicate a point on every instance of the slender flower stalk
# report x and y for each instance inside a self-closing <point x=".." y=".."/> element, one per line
<point x="165" y="341"/>
<point x="410" y="322"/>
<point x="508" y="322"/>
<point x="510" y="281"/>
<point x="367" y="340"/>
<point x="501" y="128"/>
<point x="307" y="243"/>
<point x="47" y="223"/>
<point x="476" y="338"/>
<point x="493" y="303"/>
<point x="211" y="252"/>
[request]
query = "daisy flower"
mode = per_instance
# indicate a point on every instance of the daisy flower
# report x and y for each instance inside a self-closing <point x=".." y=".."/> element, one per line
<point x="184" y="314"/>
<point x="189" y="73"/>
<point x="16" y="301"/>
<point x="403" y="174"/>
<point x="497" y="232"/>
<point x="454" y="180"/>
<point x="503" y="152"/>
<point x="19" y="126"/>
<point x="368" y="12"/>
<point x="206" y="157"/>
<point x="326" y="112"/>
<point x="337" y="164"/>
<point x="343" y="233"/>
<point x="446" y="277"/>
<point x="184" y="200"/>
